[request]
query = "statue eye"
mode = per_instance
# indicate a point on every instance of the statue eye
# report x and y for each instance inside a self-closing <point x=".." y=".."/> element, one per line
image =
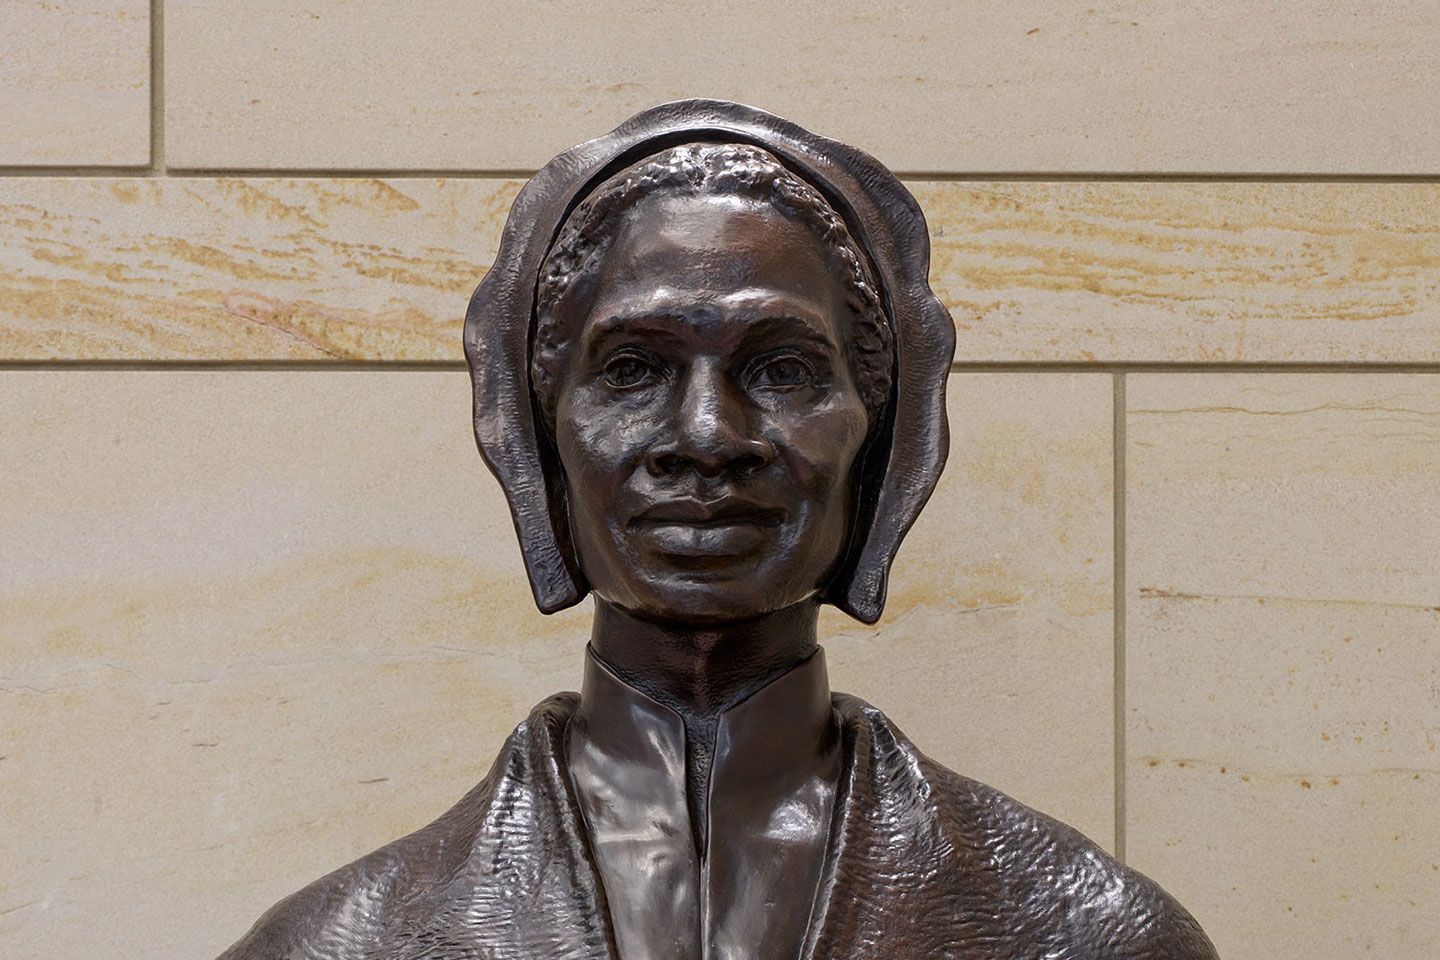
<point x="783" y="372"/>
<point x="628" y="370"/>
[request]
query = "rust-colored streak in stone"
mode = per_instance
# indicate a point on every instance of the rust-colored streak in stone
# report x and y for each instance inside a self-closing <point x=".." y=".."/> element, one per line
<point x="230" y="269"/>
<point x="1187" y="272"/>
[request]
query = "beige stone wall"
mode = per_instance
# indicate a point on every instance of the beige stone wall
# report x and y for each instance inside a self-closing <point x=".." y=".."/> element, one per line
<point x="260" y="605"/>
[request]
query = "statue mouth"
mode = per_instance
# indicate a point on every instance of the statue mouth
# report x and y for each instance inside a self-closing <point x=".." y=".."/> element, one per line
<point x="721" y="512"/>
<point x="689" y="527"/>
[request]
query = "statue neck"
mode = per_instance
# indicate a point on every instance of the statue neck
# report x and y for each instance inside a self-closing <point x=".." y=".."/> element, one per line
<point x="700" y="671"/>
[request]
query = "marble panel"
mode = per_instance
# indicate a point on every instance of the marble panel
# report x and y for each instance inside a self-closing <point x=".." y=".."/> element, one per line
<point x="1029" y="86"/>
<point x="1283" y="657"/>
<point x="76" y="82"/>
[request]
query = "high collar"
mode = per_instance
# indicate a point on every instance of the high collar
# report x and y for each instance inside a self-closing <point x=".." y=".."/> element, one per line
<point x="772" y="787"/>
<point x="770" y="740"/>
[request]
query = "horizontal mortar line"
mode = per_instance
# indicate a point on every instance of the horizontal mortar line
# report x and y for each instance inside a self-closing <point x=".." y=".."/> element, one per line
<point x="1188" y="366"/>
<point x="978" y="366"/>
<point x="358" y="173"/>
<point x="140" y="170"/>
<point x="1120" y="177"/>
<point x="285" y="365"/>
<point x="443" y="173"/>
<point x="172" y="172"/>
<point x="957" y="176"/>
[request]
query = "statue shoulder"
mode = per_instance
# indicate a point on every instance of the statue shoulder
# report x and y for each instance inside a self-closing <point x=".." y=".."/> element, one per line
<point x="354" y="913"/>
<point x="331" y="917"/>
<point x="1070" y="889"/>
<point x="348" y="913"/>
<point x="1016" y="871"/>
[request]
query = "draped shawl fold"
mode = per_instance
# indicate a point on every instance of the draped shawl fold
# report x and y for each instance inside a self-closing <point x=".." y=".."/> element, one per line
<point x="920" y="863"/>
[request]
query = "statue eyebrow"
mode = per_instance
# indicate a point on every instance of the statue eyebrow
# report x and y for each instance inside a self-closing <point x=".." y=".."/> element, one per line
<point x="620" y="325"/>
<point x="659" y="326"/>
<point x="790" y="327"/>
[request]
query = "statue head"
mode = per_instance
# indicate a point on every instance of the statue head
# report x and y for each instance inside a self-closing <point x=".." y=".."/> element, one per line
<point x="709" y="356"/>
<point x="692" y="376"/>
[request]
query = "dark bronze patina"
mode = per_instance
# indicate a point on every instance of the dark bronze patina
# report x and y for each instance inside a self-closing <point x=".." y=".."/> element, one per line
<point x="709" y="373"/>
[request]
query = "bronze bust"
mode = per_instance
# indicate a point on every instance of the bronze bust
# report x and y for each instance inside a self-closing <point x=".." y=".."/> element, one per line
<point x="709" y="373"/>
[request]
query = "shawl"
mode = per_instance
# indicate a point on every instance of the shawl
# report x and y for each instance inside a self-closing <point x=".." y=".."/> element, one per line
<point x="920" y="863"/>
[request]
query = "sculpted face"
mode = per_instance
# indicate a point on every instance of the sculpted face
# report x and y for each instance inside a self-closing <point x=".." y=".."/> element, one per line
<point x="706" y="416"/>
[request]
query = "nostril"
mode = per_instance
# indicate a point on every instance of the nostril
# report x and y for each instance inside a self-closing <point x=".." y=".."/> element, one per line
<point x="664" y="464"/>
<point x="754" y="458"/>
<point x="757" y="453"/>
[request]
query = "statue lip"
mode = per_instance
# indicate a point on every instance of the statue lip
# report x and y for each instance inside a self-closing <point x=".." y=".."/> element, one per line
<point x="721" y="512"/>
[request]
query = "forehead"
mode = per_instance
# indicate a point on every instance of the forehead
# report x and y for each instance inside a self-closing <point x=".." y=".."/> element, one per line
<point x="724" y="257"/>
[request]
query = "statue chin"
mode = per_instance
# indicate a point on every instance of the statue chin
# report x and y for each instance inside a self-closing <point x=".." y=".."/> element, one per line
<point x="697" y="603"/>
<point x="706" y="597"/>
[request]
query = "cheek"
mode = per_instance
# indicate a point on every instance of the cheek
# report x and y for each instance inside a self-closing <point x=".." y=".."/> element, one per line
<point x="820" y="454"/>
<point x="598" y="451"/>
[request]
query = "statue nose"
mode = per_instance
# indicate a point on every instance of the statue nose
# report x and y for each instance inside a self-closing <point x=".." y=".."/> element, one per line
<point x="709" y="430"/>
